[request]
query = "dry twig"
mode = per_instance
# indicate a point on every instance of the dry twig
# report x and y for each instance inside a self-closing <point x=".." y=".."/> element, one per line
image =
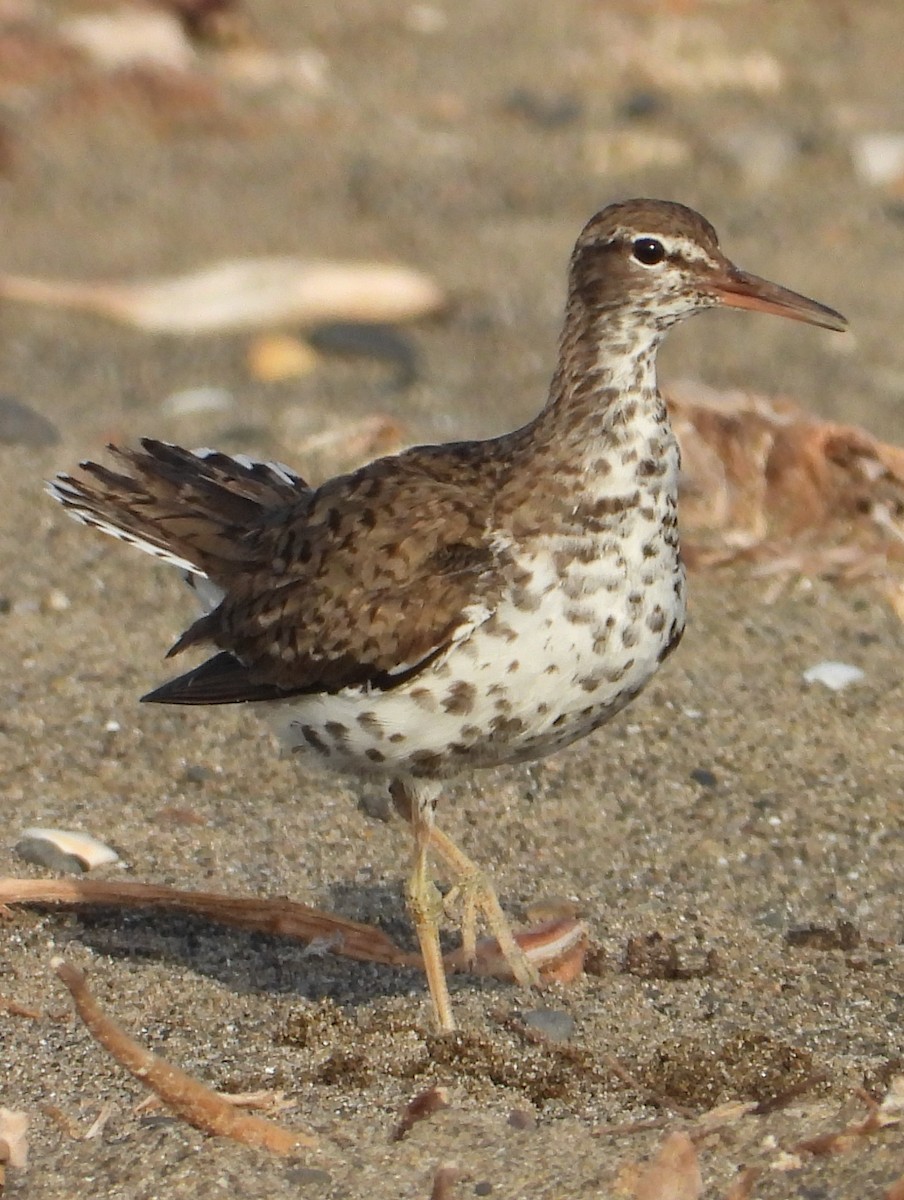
<point x="187" y="1097"/>
<point x="444" y="1181"/>
<point x="556" y="947"/>
<point x="424" y="1105"/>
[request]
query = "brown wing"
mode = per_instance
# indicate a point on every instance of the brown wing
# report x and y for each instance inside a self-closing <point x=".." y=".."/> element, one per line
<point x="362" y="582"/>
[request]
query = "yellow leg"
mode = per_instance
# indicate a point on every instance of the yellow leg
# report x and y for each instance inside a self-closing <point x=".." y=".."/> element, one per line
<point x="476" y="894"/>
<point x="426" y="907"/>
<point x="416" y="801"/>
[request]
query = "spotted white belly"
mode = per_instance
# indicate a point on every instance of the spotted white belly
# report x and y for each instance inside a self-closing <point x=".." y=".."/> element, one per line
<point x="555" y="659"/>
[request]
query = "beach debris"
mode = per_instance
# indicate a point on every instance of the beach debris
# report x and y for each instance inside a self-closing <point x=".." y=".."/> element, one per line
<point x="685" y="53"/>
<point x="553" y="1024"/>
<point x="190" y="1099"/>
<point x="879" y="158"/>
<point x="380" y="342"/>
<point x="674" y="1173"/>
<point x="14" y="1009"/>
<point x="244" y="293"/>
<point x="99" y="1124"/>
<point x="621" y="150"/>
<point x="836" y="676"/>
<point x="742" y="1188"/>
<point x="764" y="481"/>
<point x="21" y="425"/>
<point x="444" y="1181"/>
<point x="653" y="956"/>
<point x="210" y="22"/>
<point x="54" y="601"/>
<point x="844" y="936"/>
<point x="879" y="1116"/>
<point x="762" y="154"/>
<point x="557" y="948"/>
<point x="64" y="849"/>
<point x="130" y="37"/>
<point x="277" y="356"/>
<point x="896" y="1191"/>
<point x="190" y="402"/>
<point x="424" y="1105"/>
<point x="260" y="69"/>
<point x="349" y="443"/>
<point x="547" y="110"/>
<point x="14" y="1137"/>
<point x="282" y="917"/>
<point x="13" y="1142"/>
<point x="262" y="1100"/>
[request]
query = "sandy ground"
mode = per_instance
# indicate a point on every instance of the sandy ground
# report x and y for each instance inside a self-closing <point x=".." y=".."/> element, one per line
<point x="472" y="140"/>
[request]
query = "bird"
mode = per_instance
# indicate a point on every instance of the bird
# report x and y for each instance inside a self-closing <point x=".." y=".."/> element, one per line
<point x="462" y="605"/>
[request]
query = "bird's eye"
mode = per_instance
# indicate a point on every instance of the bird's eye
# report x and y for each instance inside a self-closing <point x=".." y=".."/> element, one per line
<point x="648" y="251"/>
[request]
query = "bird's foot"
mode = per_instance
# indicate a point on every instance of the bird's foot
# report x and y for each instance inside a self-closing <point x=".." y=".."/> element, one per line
<point x="474" y="896"/>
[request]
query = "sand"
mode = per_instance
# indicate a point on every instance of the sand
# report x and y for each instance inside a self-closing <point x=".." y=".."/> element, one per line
<point x="731" y="805"/>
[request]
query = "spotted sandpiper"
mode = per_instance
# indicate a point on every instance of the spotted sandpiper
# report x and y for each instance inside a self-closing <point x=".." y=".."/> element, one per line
<point x="461" y="605"/>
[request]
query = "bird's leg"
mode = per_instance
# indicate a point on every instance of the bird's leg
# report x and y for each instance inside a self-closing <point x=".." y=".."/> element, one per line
<point x="477" y="895"/>
<point x="425" y="903"/>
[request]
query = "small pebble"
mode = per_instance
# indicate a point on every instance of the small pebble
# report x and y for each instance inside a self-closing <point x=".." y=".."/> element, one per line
<point x="45" y="854"/>
<point x="306" y="1177"/>
<point x="55" y="601"/>
<point x="834" y="675"/>
<point x="376" y="805"/>
<point x="520" y="1118"/>
<point x="622" y="150"/>
<point x="22" y="426"/>
<point x="197" y="774"/>
<point x="64" y="850"/>
<point x="547" y="112"/>
<point x="703" y="777"/>
<point x="552" y="1023"/>
<point x="279" y="356"/>
<point x="426" y="19"/>
<point x="639" y="105"/>
<point x="879" y="157"/>
<point x="191" y="401"/>
<point x="367" y="340"/>
<point x="761" y="153"/>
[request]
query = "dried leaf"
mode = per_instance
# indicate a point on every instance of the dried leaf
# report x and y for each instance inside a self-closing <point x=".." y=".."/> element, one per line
<point x="424" y="1105"/>
<point x="13" y="1138"/>
<point x="765" y="481"/>
<point x="742" y="1188"/>
<point x="444" y="1182"/>
<point x="244" y="294"/>
<point x="674" y="1174"/>
<point x="274" y="357"/>
<point x="896" y="1191"/>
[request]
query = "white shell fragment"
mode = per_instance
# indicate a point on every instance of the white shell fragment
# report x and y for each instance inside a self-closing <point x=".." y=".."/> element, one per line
<point x="14" y="1134"/>
<point x="248" y="293"/>
<point x="834" y="675"/>
<point x="879" y="157"/>
<point x="132" y="37"/>
<point x="64" y="850"/>
<point x="190" y="401"/>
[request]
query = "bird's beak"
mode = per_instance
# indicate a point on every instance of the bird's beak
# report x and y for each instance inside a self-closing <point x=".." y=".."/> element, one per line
<point x="738" y="289"/>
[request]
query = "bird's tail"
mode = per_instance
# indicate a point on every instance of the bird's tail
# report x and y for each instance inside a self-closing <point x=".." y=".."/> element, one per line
<point x="186" y="507"/>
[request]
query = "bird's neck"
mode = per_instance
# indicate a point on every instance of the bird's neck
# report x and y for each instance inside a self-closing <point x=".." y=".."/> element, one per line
<point x="604" y="391"/>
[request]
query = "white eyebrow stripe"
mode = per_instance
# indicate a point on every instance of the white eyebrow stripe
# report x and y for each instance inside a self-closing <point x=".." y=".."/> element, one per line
<point x="689" y="250"/>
